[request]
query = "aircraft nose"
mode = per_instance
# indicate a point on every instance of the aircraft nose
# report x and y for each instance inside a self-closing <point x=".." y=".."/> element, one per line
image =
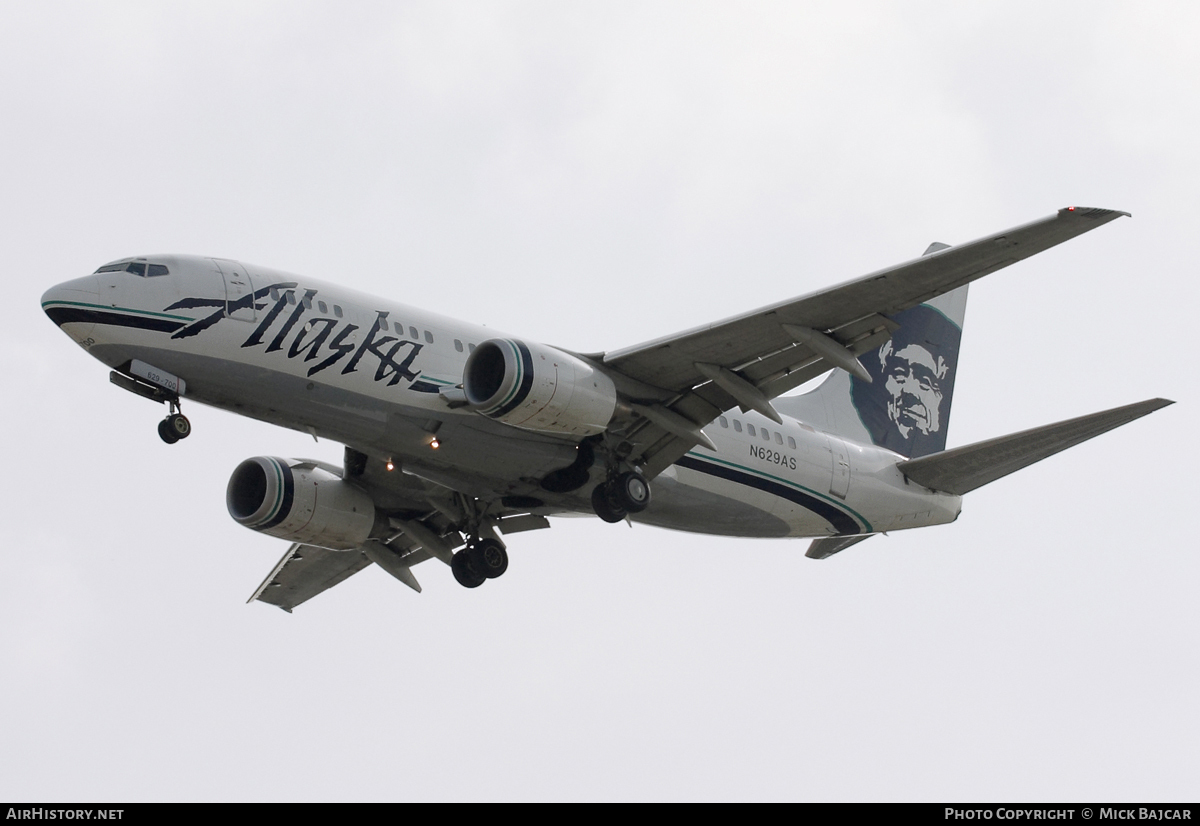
<point x="72" y="301"/>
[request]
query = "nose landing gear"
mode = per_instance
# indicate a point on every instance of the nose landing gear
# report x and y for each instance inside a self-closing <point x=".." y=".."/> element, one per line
<point x="175" y="427"/>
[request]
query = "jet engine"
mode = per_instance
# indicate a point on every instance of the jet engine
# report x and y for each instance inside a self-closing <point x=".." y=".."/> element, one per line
<point x="536" y="387"/>
<point x="299" y="501"/>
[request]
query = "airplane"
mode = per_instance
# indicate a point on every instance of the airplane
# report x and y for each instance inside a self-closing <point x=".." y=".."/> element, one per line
<point x="456" y="435"/>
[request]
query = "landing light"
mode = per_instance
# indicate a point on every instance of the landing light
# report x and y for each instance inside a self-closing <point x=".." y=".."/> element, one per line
<point x="434" y="443"/>
<point x="390" y="466"/>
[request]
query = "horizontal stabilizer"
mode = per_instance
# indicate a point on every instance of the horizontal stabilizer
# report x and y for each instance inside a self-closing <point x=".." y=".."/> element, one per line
<point x="964" y="469"/>
<point x="306" y="571"/>
<point x="830" y="545"/>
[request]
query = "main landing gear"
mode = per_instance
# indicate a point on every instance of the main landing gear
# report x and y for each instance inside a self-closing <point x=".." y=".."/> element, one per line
<point x="175" y="427"/>
<point x="621" y="495"/>
<point x="482" y="560"/>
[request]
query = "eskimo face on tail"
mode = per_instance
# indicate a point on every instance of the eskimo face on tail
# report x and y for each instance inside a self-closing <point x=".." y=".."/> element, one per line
<point x="914" y="381"/>
<point x="906" y="406"/>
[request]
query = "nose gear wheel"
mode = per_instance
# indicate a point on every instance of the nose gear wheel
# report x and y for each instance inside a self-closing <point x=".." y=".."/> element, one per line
<point x="173" y="428"/>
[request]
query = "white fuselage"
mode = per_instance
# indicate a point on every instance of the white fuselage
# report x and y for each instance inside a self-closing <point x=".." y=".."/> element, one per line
<point x="368" y="372"/>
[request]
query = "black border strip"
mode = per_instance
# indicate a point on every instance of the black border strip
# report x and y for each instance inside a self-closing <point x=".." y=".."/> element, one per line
<point x="843" y="523"/>
<point x="77" y="315"/>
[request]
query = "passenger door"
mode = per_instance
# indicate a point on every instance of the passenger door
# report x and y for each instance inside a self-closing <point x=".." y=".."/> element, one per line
<point x="237" y="287"/>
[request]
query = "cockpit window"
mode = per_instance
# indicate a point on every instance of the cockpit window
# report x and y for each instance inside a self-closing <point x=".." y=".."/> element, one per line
<point x="138" y="268"/>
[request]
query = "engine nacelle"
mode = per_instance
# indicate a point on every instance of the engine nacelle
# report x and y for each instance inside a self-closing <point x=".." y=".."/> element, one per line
<point x="301" y="502"/>
<point x="536" y="387"/>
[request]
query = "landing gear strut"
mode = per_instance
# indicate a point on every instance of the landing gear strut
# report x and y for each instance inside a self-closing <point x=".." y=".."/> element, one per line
<point x="480" y="561"/>
<point x="622" y="494"/>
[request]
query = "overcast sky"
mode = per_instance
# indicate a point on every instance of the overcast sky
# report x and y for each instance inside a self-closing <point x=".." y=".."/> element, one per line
<point x="594" y="175"/>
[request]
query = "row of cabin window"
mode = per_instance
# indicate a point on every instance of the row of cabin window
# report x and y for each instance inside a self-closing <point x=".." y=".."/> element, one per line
<point x="766" y="434"/>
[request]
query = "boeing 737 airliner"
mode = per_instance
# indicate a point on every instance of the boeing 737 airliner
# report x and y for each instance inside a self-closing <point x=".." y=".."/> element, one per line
<point x="456" y="435"/>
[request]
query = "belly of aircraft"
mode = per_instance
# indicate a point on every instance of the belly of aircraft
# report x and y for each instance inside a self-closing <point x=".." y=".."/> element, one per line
<point x="683" y="508"/>
<point x="389" y="430"/>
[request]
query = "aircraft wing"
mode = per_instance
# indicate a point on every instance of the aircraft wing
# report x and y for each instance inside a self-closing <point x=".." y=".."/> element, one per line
<point x="306" y="571"/>
<point x="422" y="514"/>
<point x="749" y="359"/>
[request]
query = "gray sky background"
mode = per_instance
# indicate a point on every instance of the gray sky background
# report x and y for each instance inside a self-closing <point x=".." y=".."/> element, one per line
<point x="594" y="175"/>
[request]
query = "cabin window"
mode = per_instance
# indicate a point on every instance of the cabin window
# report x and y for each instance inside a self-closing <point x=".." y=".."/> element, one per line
<point x="778" y="439"/>
<point x="428" y="337"/>
<point x="383" y="325"/>
<point x="337" y="310"/>
<point x="291" y="296"/>
<point x="458" y="345"/>
<point x="750" y="429"/>
<point x="412" y="331"/>
<point x="470" y="348"/>
<point x="322" y="306"/>
<point x="307" y="303"/>
<point x="791" y="443"/>
<point x="737" y="426"/>
<point x="724" y="422"/>
<point x="766" y="436"/>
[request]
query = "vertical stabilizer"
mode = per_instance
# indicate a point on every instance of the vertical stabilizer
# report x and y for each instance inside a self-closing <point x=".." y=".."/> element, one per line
<point x="906" y="405"/>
